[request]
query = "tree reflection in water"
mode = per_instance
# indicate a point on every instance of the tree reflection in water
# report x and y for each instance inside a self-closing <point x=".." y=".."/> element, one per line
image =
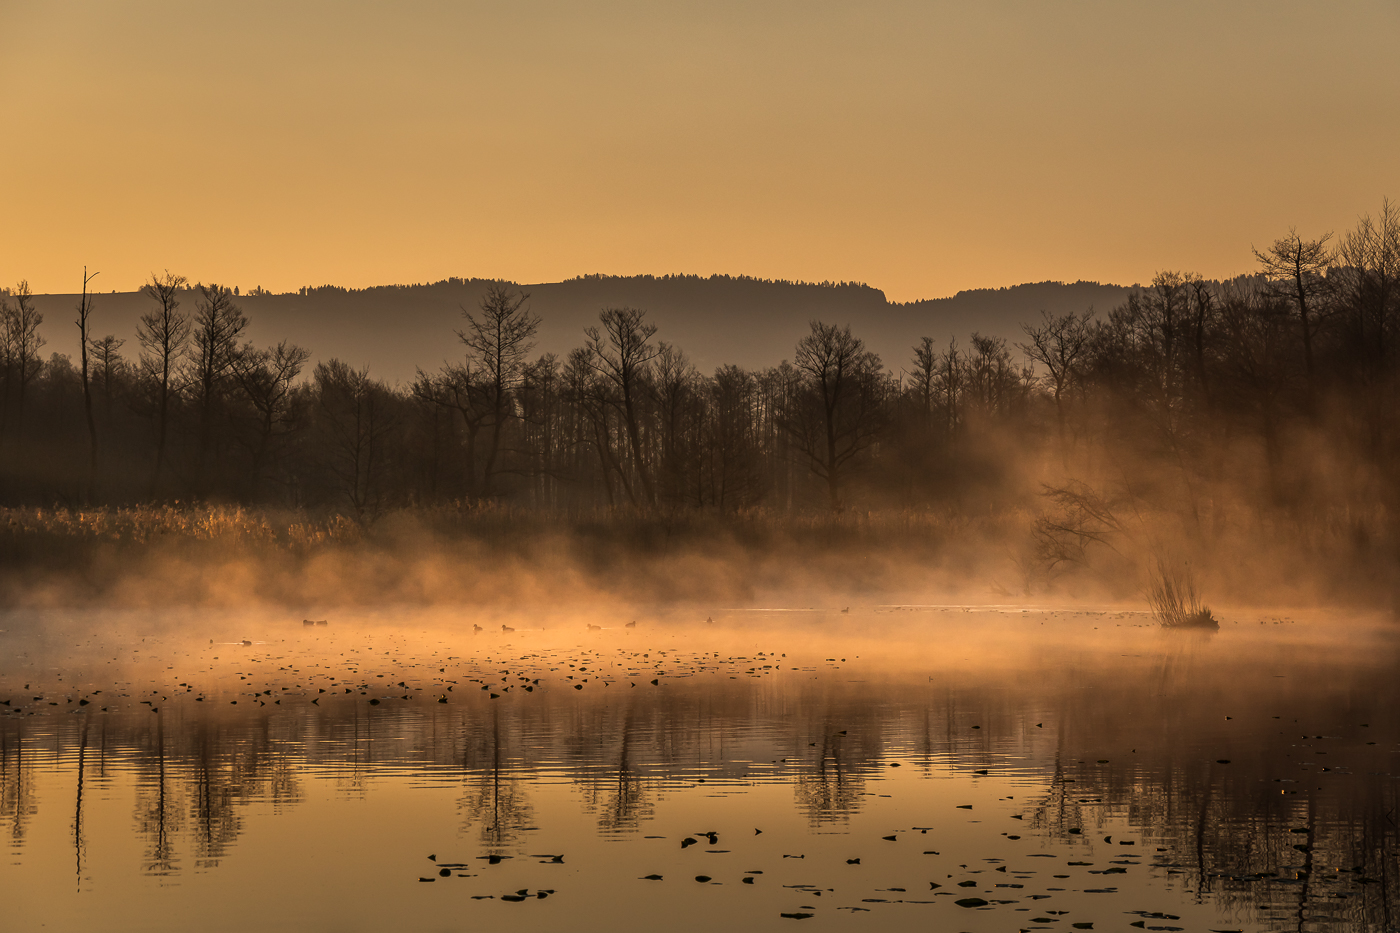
<point x="1259" y="788"/>
<point x="17" y="804"/>
<point x="493" y="796"/>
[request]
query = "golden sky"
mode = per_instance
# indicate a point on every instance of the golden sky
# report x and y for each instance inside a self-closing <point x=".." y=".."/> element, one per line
<point x="922" y="147"/>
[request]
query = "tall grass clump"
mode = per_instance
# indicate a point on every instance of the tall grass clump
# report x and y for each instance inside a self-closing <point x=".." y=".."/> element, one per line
<point x="1174" y="599"/>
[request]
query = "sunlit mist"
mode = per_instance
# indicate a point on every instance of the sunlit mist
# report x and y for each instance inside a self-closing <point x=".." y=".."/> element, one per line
<point x="620" y="466"/>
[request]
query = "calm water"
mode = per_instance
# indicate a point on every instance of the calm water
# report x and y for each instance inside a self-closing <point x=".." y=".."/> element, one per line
<point x="884" y="768"/>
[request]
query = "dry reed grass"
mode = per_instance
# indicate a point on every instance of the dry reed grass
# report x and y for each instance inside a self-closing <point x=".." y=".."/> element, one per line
<point x="468" y="552"/>
<point x="1174" y="599"/>
<point x="143" y="525"/>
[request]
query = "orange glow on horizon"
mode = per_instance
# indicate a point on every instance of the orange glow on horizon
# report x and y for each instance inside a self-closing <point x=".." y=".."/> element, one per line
<point x="919" y="147"/>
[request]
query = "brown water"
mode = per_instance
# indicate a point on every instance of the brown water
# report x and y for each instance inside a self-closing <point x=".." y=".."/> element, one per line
<point x="885" y="768"/>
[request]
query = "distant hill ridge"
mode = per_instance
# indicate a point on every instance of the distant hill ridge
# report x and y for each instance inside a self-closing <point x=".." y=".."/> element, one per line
<point x="715" y="319"/>
<point x="670" y="277"/>
<point x="1024" y="289"/>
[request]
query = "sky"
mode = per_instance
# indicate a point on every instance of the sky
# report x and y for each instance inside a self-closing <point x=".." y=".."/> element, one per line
<point x="921" y="147"/>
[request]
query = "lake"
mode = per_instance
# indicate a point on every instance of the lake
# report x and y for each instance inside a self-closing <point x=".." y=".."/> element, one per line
<point x="865" y="767"/>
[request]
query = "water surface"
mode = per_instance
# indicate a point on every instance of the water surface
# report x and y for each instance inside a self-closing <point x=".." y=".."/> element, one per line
<point x="957" y="768"/>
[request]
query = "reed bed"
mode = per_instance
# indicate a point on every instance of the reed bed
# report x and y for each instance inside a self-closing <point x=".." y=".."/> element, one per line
<point x="1174" y="599"/>
<point x="469" y="552"/>
<point x="142" y="525"/>
<point x="466" y="551"/>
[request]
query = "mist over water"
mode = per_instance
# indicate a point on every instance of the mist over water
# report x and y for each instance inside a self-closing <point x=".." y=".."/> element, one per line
<point x="728" y="592"/>
<point x="1087" y="631"/>
<point x="1049" y="759"/>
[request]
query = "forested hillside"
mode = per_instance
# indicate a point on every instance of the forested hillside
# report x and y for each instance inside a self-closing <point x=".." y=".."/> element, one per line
<point x="718" y="319"/>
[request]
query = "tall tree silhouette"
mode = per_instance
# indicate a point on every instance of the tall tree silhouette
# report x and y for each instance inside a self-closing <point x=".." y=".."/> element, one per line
<point x="498" y="341"/>
<point x="214" y="334"/>
<point x="355" y="421"/>
<point x="459" y="388"/>
<point x="1061" y="344"/>
<point x="1297" y="270"/>
<point x="924" y="375"/>
<point x="681" y="410"/>
<point x="590" y="396"/>
<point x="1258" y="370"/>
<point x="733" y="439"/>
<point x="84" y="312"/>
<point x="267" y="378"/>
<point x="1370" y="277"/>
<point x="21" y="343"/>
<point x="109" y="367"/>
<point x="163" y="334"/>
<point x="621" y="353"/>
<point x="840" y="406"/>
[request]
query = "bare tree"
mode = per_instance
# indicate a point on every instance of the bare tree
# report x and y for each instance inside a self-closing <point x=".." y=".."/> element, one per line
<point x="84" y="312"/>
<point x="924" y="375"/>
<point x="266" y="378"/>
<point x="1255" y="369"/>
<point x="623" y="359"/>
<point x="1061" y="345"/>
<point x="21" y="343"/>
<point x="163" y="334"/>
<point x="217" y="326"/>
<point x="458" y="388"/>
<point x="109" y="365"/>
<point x="841" y="403"/>
<point x="1146" y="355"/>
<point x="1370" y="294"/>
<point x="1297" y="270"/>
<point x="1204" y="316"/>
<point x="355" y="421"/>
<point x="995" y="384"/>
<point x="680" y="405"/>
<point x="1078" y="518"/>
<point x="498" y="343"/>
<point x="951" y="382"/>
<point x="7" y="360"/>
<point x="1370" y="255"/>
<point x="1157" y="320"/>
<point x="541" y="414"/>
<point x="594" y="399"/>
<point x="733" y="440"/>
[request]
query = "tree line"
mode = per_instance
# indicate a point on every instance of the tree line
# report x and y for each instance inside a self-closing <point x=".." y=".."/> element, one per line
<point x="1275" y="392"/>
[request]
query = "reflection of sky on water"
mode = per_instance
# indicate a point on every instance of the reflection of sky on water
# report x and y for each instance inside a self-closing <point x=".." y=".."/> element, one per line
<point x="1242" y="781"/>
